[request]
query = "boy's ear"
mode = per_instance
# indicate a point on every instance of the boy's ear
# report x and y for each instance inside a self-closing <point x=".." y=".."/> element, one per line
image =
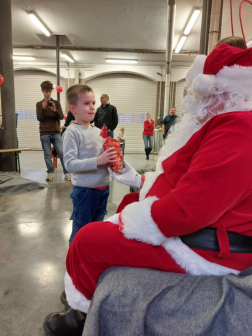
<point x="72" y="109"/>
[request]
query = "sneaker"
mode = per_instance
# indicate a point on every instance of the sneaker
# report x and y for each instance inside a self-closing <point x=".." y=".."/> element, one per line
<point x="68" y="176"/>
<point x="49" y="177"/>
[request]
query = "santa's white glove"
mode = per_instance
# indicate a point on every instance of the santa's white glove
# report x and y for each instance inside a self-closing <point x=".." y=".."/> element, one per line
<point x="113" y="219"/>
<point x="130" y="177"/>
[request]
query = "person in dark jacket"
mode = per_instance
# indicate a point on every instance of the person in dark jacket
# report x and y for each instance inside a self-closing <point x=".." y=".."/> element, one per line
<point x="106" y="114"/>
<point x="169" y="121"/>
<point x="70" y="117"/>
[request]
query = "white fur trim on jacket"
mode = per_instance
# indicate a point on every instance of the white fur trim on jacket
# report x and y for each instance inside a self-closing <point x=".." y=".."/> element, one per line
<point x="138" y="223"/>
<point x="75" y="299"/>
<point x="150" y="178"/>
<point x="191" y="262"/>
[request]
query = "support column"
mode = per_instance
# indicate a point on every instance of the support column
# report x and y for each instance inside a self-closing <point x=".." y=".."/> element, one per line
<point x="8" y="137"/>
<point x="171" y="7"/>
<point x="215" y="24"/>
<point x="205" y="23"/>
<point x="58" y="64"/>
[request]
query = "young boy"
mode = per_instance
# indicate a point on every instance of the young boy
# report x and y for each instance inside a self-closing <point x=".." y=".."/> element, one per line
<point x="85" y="158"/>
<point x="121" y="138"/>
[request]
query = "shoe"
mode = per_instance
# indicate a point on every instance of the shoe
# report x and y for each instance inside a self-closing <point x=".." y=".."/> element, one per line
<point x="49" y="177"/>
<point x="149" y="151"/>
<point x="68" y="176"/>
<point x="63" y="299"/>
<point x="69" y="323"/>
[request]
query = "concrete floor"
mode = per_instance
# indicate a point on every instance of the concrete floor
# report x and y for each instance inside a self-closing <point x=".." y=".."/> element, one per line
<point x="35" y="229"/>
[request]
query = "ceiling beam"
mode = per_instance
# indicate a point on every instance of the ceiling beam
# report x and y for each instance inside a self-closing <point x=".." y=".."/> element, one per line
<point x="134" y="51"/>
<point x="48" y="47"/>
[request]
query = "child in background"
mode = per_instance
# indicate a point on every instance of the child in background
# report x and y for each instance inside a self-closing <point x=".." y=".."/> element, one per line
<point x="85" y="158"/>
<point x="121" y="138"/>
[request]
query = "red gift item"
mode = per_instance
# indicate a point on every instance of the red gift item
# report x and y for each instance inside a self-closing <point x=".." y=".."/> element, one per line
<point x="119" y="164"/>
<point x="104" y="132"/>
<point x="109" y="142"/>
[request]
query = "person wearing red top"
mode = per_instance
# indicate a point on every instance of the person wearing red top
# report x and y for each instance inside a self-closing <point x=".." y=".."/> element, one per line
<point x="148" y="134"/>
<point x="194" y="213"/>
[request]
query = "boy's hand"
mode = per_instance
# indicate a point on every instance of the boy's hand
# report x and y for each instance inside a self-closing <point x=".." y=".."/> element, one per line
<point x="44" y="104"/>
<point x="107" y="157"/>
<point x="53" y="107"/>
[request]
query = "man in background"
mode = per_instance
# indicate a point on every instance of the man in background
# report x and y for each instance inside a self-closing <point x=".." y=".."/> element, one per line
<point x="49" y="113"/>
<point x="169" y="121"/>
<point x="106" y="114"/>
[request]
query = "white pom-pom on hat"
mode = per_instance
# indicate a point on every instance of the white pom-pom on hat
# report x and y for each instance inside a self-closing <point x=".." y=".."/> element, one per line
<point x="203" y="85"/>
<point x="196" y="69"/>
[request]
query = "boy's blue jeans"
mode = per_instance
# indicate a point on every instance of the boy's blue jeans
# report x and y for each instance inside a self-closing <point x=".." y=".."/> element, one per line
<point x="56" y="140"/>
<point x="89" y="205"/>
<point x="122" y="147"/>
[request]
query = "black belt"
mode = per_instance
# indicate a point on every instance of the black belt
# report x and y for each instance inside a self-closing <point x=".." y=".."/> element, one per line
<point x="206" y="239"/>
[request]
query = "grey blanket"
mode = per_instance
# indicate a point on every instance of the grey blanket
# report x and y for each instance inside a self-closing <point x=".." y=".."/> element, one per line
<point x="13" y="183"/>
<point x="134" y="302"/>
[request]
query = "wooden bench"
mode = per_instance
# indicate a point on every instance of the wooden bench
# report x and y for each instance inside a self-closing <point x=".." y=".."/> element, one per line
<point x="15" y="152"/>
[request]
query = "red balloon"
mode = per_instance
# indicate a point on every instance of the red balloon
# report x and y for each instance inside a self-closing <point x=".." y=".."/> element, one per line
<point x="65" y="116"/>
<point x="1" y="79"/>
<point x="59" y="89"/>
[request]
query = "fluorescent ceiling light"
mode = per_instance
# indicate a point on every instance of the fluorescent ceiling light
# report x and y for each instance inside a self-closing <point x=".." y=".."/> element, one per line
<point x="39" y="24"/>
<point x="68" y="58"/>
<point x="180" y="44"/>
<point x="191" y="21"/>
<point x="121" y="61"/>
<point x="24" y="58"/>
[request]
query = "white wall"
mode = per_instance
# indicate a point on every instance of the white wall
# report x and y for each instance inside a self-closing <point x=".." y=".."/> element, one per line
<point x="146" y="71"/>
<point x="178" y="73"/>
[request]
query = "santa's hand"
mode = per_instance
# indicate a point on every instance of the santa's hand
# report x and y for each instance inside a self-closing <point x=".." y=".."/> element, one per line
<point x="113" y="219"/>
<point x="130" y="177"/>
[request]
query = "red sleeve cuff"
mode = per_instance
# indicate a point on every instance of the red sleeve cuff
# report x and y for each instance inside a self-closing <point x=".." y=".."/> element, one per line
<point x="143" y="178"/>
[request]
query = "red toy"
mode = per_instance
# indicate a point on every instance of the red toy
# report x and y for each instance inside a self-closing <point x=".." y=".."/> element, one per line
<point x="1" y="79"/>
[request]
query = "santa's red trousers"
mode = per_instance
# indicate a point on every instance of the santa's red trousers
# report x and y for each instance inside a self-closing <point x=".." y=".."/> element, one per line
<point x="100" y="245"/>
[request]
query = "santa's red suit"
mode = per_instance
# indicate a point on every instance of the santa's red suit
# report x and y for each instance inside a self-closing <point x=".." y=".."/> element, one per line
<point x="203" y="179"/>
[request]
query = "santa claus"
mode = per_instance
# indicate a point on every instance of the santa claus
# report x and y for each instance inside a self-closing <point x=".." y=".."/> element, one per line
<point x="194" y="214"/>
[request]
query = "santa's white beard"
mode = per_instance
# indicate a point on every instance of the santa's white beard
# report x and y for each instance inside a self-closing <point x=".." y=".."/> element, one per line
<point x="196" y="112"/>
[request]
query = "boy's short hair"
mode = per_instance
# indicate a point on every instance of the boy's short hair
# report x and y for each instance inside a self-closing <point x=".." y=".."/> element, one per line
<point x="72" y="92"/>
<point x="46" y="85"/>
<point x="122" y="128"/>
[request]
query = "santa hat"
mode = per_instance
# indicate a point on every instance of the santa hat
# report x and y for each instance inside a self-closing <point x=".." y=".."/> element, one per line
<point x="226" y="69"/>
